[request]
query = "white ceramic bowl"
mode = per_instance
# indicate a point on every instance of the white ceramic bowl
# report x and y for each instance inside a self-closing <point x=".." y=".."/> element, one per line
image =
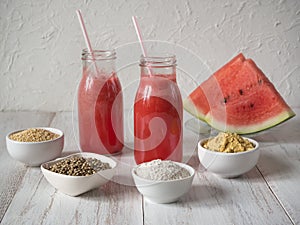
<point x="164" y="191"/>
<point x="76" y="185"/>
<point x="36" y="153"/>
<point x="228" y="165"/>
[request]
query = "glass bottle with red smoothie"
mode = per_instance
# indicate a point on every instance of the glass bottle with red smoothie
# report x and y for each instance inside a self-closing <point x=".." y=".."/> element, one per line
<point x="158" y="111"/>
<point x="100" y="104"/>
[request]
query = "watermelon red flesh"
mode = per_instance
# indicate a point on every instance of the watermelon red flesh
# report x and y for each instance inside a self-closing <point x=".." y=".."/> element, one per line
<point x="238" y="98"/>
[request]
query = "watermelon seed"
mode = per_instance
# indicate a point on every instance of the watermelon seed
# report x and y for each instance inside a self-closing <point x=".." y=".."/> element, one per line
<point x="225" y="100"/>
<point x="251" y="105"/>
<point x="241" y="92"/>
<point x="260" y="81"/>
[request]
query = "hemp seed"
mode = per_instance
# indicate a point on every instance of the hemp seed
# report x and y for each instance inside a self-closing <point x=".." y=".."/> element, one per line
<point x="78" y="166"/>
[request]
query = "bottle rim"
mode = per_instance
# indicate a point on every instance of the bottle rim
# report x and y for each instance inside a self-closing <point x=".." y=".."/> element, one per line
<point x="167" y="60"/>
<point x="98" y="54"/>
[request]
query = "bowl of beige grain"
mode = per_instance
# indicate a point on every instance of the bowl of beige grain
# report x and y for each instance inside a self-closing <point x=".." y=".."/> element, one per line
<point x="34" y="146"/>
<point x="228" y="155"/>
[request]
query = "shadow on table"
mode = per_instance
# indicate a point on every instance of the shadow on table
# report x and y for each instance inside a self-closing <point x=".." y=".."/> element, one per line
<point x="112" y="192"/>
<point x="273" y="165"/>
<point x="203" y="194"/>
<point x="268" y="166"/>
<point x="287" y="132"/>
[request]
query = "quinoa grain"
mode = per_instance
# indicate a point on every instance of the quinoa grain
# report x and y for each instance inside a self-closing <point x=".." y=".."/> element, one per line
<point x="33" y="135"/>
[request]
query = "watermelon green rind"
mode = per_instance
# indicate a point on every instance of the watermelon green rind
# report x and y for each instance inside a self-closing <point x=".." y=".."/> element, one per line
<point x="272" y="122"/>
<point x="190" y="107"/>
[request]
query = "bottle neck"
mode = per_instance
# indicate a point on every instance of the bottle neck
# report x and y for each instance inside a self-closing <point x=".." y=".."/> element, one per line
<point x="98" y="61"/>
<point x="158" y="66"/>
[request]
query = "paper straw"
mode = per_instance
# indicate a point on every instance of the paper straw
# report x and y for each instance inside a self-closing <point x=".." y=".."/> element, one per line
<point x="138" y="33"/>
<point x="86" y="37"/>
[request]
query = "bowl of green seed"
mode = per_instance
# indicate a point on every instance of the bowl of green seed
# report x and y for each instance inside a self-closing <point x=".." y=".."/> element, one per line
<point x="78" y="173"/>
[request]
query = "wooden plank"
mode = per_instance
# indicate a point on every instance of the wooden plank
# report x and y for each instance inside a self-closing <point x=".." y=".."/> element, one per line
<point x="280" y="164"/>
<point x="36" y="200"/>
<point x="12" y="172"/>
<point x="213" y="200"/>
<point x="250" y="199"/>
<point x="66" y="122"/>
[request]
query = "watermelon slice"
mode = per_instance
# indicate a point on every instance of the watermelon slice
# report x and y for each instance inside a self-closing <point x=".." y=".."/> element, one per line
<point x="238" y="98"/>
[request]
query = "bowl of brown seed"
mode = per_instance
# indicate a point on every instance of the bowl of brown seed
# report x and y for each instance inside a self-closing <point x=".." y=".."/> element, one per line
<point x="78" y="173"/>
<point x="34" y="146"/>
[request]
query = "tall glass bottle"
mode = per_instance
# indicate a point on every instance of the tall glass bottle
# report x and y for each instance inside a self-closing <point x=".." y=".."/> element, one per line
<point x="100" y="104"/>
<point x="158" y="111"/>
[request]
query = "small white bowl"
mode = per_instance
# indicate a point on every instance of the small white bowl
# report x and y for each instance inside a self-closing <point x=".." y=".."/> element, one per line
<point x="228" y="165"/>
<point x="76" y="185"/>
<point x="164" y="191"/>
<point x="36" y="153"/>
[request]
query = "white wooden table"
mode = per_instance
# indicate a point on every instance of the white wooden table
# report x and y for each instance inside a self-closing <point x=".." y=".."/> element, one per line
<point x="268" y="194"/>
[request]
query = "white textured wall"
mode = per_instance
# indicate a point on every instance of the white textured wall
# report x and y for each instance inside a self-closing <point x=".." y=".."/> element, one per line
<point x="41" y="41"/>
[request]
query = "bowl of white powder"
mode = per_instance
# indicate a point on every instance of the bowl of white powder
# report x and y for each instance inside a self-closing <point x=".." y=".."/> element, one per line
<point x="163" y="181"/>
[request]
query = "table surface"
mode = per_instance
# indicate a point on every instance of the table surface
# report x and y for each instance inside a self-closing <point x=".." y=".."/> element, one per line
<point x="268" y="194"/>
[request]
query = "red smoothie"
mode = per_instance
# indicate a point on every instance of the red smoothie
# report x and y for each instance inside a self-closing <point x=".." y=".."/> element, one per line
<point x="100" y="113"/>
<point x="158" y="119"/>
